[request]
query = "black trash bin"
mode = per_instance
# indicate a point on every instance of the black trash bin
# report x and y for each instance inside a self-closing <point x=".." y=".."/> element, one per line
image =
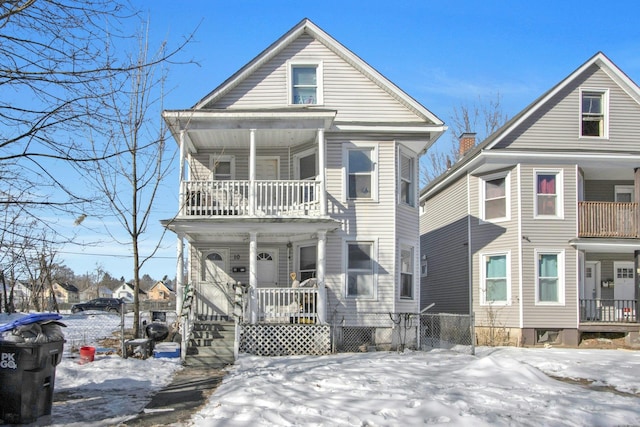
<point x="27" y="375"/>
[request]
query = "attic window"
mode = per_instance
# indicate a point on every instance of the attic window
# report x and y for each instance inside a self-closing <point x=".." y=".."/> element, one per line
<point x="593" y="111"/>
<point x="305" y="83"/>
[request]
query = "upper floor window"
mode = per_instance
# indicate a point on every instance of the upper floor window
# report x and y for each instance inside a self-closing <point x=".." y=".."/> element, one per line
<point x="549" y="279"/>
<point x="593" y="113"/>
<point x="305" y="83"/>
<point x="494" y="288"/>
<point x="360" y="172"/>
<point x="495" y="197"/>
<point x="406" y="272"/>
<point x="222" y="167"/>
<point x="548" y="194"/>
<point x="407" y="189"/>
<point x="360" y="277"/>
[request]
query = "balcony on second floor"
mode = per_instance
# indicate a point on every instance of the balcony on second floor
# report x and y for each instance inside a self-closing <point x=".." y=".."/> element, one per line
<point x="232" y="198"/>
<point x="608" y="220"/>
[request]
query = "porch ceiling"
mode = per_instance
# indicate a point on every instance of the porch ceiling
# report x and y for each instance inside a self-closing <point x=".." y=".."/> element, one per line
<point x="272" y="229"/>
<point x="593" y="244"/>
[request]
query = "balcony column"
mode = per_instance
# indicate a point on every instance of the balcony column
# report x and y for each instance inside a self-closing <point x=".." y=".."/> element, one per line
<point x="252" y="172"/>
<point x="636" y="195"/>
<point x="181" y="195"/>
<point x="253" y="277"/>
<point x="636" y="284"/>
<point x="320" y="272"/>
<point x="322" y="167"/>
<point x="180" y="275"/>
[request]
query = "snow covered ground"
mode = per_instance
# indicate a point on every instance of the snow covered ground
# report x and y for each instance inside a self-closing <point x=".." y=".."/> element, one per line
<point x="502" y="386"/>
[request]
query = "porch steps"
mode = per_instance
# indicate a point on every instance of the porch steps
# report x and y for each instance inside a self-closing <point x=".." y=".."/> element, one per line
<point x="211" y="344"/>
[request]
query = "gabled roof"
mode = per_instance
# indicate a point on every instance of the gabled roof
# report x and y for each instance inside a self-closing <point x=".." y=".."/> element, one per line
<point x="67" y="287"/>
<point x="599" y="59"/>
<point x="307" y="27"/>
<point x="160" y="282"/>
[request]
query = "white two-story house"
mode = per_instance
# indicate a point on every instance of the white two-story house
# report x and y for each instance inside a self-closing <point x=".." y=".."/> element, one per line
<point x="299" y="173"/>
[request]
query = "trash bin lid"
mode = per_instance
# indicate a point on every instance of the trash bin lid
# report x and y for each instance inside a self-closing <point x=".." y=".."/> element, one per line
<point x="28" y="319"/>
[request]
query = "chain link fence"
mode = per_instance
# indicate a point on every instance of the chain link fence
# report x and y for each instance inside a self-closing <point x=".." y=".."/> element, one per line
<point x="399" y="331"/>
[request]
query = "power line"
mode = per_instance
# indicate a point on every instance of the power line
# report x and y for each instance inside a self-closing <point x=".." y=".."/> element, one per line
<point x="110" y="255"/>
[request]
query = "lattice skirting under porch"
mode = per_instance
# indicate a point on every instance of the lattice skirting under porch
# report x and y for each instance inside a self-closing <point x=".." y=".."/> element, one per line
<point x="264" y="339"/>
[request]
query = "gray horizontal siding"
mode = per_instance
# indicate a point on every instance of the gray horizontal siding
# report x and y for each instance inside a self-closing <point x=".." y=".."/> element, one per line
<point x="353" y="95"/>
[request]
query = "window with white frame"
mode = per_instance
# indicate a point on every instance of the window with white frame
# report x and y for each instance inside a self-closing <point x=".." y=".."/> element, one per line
<point x="593" y="108"/>
<point x="305" y="83"/>
<point x="406" y="272"/>
<point x="407" y="189"/>
<point x="495" y="288"/>
<point x="548" y="190"/>
<point x="222" y="167"/>
<point x="361" y="172"/>
<point x="495" y="197"/>
<point x="307" y="259"/>
<point x="360" y="277"/>
<point x="549" y="277"/>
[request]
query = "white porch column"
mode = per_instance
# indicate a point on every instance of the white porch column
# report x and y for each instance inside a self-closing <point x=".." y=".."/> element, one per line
<point x="253" y="276"/>
<point x="180" y="275"/>
<point x="181" y="192"/>
<point x="320" y="271"/>
<point x="252" y="172"/>
<point x="322" y="166"/>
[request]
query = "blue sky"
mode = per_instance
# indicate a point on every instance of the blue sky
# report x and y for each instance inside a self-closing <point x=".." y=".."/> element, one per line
<point x="443" y="54"/>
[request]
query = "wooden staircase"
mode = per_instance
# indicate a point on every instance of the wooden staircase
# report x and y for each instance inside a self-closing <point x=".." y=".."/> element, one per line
<point x="211" y="344"/>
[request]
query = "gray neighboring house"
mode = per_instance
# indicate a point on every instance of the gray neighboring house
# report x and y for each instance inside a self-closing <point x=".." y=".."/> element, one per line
<point x="535" y="230"/>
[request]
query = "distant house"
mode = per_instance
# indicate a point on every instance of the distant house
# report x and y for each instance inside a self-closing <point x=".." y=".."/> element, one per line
<point x="126" y="292"/>
<point x="65" y="292"/>
<point x="92" y="292"/>
<point x="21" y="294"/>
<point x="160" y="291"/>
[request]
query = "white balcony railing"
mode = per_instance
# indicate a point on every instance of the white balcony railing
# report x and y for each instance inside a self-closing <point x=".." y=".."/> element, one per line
<point x="231" y="198"/>
<point x="288" y="305"/>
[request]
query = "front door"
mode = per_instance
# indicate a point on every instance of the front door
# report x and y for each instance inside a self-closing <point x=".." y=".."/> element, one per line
<point x="215" y="298"/>
<point x="623" y="292"/>
<point x="267" y="268"/>
<point x="589" y="291"/>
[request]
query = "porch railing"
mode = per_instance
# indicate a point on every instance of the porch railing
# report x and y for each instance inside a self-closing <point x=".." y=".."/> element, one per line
<point x="608" y="219"/>
<point x="231" y="198"/>
<point x="608" y="311"/>
<point x="287" y="305"/>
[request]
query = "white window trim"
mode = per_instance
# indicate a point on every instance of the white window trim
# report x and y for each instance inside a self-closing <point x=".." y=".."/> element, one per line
<point x="415" y="272"/>
<point x="559" y="193"/>
<point x="345" y="171"/>
<point x="605" y="112"/>
<point x="345" y="261"/>
<point x="301" y="62"/>
<point x="617" y="189"/>
<point x="483" y="279"/>
<point x="296" y="161"/>
<point x="213" y="158"/>
<point x="414" y="176"/>
<point x="561" y="279"/>
<point x="507" y="189"/>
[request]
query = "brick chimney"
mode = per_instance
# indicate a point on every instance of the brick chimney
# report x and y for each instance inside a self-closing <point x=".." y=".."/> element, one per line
<point x="467" y="142"/>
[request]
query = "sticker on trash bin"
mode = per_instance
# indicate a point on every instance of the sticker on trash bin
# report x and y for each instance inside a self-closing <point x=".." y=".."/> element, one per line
<point x="8" y="361"/>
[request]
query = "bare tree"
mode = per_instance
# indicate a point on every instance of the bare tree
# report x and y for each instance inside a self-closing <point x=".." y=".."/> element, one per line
<point x="131" y="182"/>
<point x="483" y="117"/>
<point x="56" y="57"/>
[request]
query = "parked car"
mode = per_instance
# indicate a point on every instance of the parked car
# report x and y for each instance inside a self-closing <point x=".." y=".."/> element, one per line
<point x="111" y="305"/>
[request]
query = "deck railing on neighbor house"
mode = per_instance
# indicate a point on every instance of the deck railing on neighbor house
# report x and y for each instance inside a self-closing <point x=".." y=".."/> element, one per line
<point x="608" y="219"/>
<point x="287" y="305"/>
<point x="608" y="311"/>
<point x="231" y="198"/>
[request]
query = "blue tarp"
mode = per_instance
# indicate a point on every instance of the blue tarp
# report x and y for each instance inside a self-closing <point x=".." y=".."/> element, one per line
<point x="29" y="319"/>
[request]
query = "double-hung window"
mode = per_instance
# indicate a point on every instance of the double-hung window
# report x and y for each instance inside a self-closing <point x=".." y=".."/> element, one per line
<point x="406" y="272"/>
<point x="548" y="202"/>
<point x="407" y="189"/>
<point x="360" y="275"/>
<point x="549" y="277"/>
<point x="593" y="110"/>
<point x="305" y="81"/>
<point x="495" y="287"/>
<point x="361" y="172"/>
<point x="495" y="197"/>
